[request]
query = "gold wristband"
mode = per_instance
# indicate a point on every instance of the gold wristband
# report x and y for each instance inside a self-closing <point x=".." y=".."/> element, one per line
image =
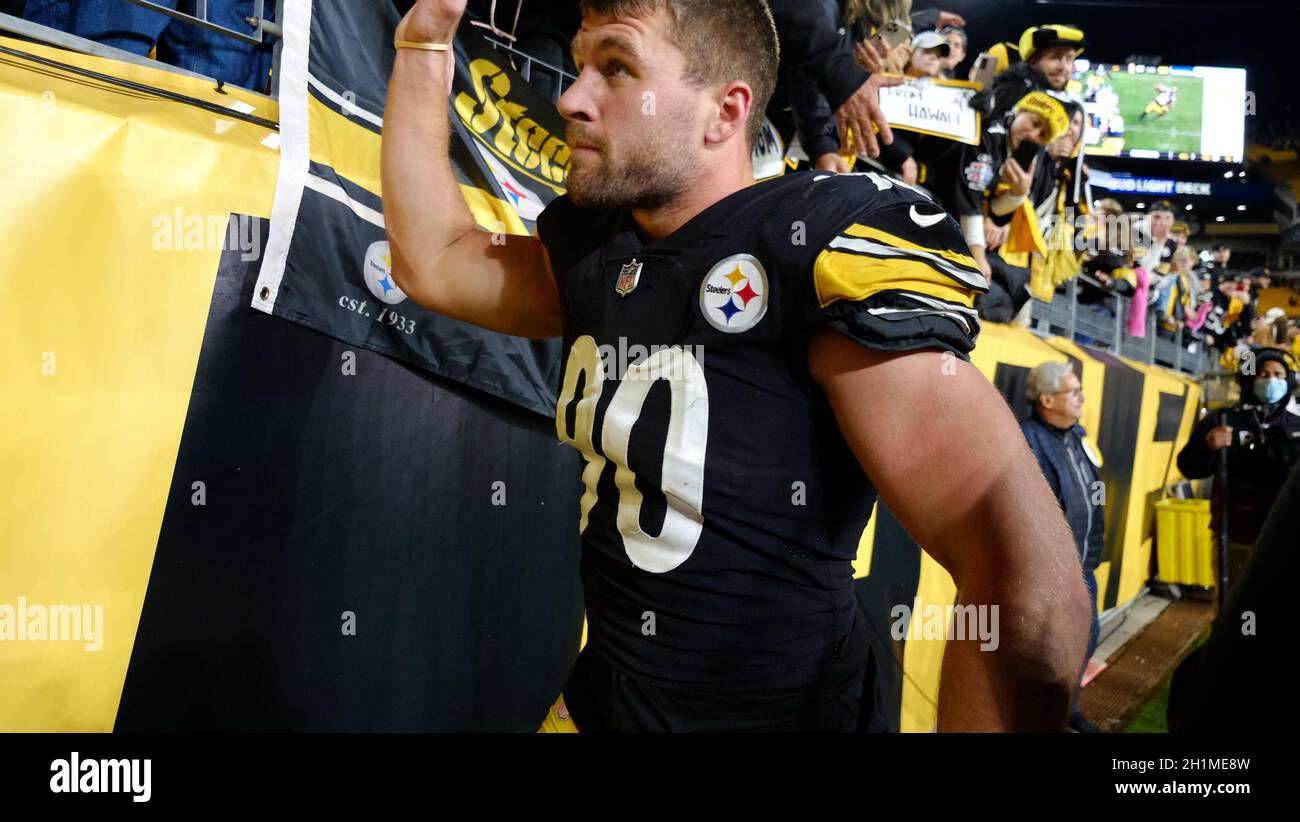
<point x="411" y="44"/>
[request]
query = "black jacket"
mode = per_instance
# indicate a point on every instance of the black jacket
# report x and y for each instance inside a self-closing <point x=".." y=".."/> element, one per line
<point x="1256" y="469"/>
<point x="1231" y="681"/>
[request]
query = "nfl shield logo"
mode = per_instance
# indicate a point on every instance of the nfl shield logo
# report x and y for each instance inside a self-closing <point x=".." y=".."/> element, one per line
<point x="627" y="278"/>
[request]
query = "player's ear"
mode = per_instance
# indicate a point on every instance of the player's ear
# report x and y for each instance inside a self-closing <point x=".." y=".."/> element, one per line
<point x="733" y="104"/>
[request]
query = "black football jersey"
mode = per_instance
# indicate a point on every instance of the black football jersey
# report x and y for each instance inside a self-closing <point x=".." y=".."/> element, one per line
<point x="722" y="508"/>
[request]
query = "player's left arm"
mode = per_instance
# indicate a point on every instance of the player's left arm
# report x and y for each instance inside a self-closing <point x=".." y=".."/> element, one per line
<point x="947" y="457"/>
<point x="892" y="307"/>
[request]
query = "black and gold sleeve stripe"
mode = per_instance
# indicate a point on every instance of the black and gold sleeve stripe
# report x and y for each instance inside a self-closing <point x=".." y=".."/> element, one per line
<point x="864" y="262"/>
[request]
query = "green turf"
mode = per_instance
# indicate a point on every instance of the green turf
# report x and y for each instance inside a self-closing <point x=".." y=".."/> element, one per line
<point x="1151" y="719"/>
<point x="1178" y="131"/>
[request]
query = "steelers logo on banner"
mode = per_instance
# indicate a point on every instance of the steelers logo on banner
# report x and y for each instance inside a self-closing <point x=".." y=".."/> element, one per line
<point x="733" y="296"/>
<point x="377" y="271"/>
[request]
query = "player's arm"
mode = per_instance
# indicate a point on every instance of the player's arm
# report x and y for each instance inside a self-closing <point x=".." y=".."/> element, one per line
<point x="942" y="448"/>
<point x="893" y="291"/>
<point x="441" y="259"/>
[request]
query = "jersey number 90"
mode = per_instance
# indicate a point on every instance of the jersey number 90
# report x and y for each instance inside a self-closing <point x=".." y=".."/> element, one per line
<point x="682" y="473"/>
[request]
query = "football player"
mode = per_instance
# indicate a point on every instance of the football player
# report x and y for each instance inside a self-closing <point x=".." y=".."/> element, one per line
<point x="809" y="337"/>
<point x="1166" y="97"/>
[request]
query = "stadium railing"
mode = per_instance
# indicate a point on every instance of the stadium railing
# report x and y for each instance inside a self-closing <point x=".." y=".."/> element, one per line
<point x="526" y="64"/>
<point x="261" y="27"/>
<point x="1065" y="317"/>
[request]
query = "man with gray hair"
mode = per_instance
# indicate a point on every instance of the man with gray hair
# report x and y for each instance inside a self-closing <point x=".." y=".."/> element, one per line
<point x="1070" y="466"/>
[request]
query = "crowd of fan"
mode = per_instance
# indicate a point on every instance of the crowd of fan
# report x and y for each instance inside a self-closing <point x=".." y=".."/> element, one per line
<point x="1031" y="224"/>
<point x="1020" y="195"/>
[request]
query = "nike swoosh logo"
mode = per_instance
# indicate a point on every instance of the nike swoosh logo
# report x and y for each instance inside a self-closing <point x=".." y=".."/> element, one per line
<point x="926" y="220"/>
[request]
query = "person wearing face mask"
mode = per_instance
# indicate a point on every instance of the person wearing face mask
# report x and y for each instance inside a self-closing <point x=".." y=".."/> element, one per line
<point x="1071" y="468"/>
<point x="1262" y="438"/>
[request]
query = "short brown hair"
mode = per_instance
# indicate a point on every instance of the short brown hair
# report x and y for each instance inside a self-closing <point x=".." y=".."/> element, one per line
<point x="723" y="40"/>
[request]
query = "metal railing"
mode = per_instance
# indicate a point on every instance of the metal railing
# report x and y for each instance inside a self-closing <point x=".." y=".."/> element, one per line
<point x="1104" y="324"/>
<point x="261" y="25"/>
<point x="526" y="64"/>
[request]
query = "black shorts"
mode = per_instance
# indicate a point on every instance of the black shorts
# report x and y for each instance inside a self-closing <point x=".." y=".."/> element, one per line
<point x="601" y="699"/>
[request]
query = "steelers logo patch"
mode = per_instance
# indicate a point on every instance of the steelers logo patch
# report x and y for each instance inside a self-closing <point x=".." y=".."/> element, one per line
<point x="377" y="272"/>
<point x="733" y="296"/>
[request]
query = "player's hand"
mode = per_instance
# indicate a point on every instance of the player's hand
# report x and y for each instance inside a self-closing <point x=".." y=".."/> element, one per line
<point x="1016" y="177"/>
<point x="1220" y="436"/>
<point x="870" y="55"/>
<point x="948" y="18"/>
<point x="861" y="114"/>
<point x="431" y="21"/>
<point x="832" y="162"/>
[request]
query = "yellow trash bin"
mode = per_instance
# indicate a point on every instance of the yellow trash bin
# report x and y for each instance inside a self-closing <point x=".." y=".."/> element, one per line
<point x="1184" y="542"/>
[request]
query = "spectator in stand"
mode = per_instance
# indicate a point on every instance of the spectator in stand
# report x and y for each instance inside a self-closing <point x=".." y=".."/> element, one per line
<point x="1047" y="55"/>
<point x="1262" y="435"/>
<point x="1217" y="266"/>
<point x="1071" y="468"/>
<point x="926" y="54"/>
<point x="1180" y="233"/>
<point x="823" y="91"/>
<point x="1174" y="299"/>
<point x="1263" y="281"/>
<point x="986" y="181"/>
<point x="1109" y="259"/>
<point x="1270" y="330"/>
<point x="1052" y="197"/>
<point x="1052" y="190"/>
<point x="139" y="30"/>
<point x="1200" y="312"/>
<point x="929" y="50"/>
<point x="1158" y="254"/>
<point x="1230" y="316"/>
<point x="956" y="37"/>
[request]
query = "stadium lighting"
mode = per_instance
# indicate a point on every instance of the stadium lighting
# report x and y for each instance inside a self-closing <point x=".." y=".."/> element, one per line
<point x="1219" y="219"/>
<point x="1227" y="175"/>
<point x="1241" y="174"/>
<point x="1187" y="207"/>
<point x="1241" y="208"/>
<point x="1142" y="205"/>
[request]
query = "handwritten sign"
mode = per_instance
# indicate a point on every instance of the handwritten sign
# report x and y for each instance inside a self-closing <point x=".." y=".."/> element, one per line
<point x="938" y="107"/>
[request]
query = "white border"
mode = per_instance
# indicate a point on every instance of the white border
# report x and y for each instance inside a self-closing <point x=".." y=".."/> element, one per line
<point x="295" y="151"/>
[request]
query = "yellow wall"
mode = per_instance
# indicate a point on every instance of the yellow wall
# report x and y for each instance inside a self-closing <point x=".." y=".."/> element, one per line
<point x="91" y="176"/>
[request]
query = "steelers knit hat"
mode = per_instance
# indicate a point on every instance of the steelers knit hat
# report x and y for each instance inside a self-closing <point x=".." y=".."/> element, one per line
<point x="1006" y="55"/>
<point x="1050" y="108"/>
<point x="1037" y="38"/>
